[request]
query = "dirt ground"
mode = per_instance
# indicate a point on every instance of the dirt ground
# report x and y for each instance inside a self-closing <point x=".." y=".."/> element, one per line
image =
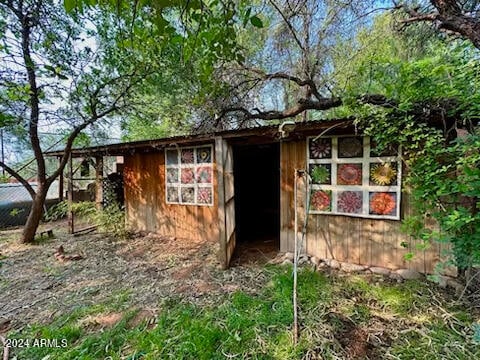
<point x="35" y="286"/>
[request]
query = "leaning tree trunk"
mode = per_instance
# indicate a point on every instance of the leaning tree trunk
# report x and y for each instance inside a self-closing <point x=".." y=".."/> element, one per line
<point x="35" y="215"/>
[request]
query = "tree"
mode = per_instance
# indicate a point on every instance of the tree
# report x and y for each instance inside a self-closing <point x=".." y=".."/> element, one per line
<point x="459" y="18"/>
<point x="52" y="79"/>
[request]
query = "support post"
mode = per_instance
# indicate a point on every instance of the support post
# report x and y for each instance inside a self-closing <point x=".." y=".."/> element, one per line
<point x="99" y="181"/>
<point x="60" y="184"/>
<point x="219" y="163"/>
<point x="71" y="227"/>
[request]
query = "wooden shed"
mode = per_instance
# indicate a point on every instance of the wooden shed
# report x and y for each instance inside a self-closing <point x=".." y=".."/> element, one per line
<point x="250" y="184"/>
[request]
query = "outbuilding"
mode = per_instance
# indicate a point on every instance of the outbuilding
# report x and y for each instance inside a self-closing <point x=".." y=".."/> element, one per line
<point x="320" y="178"/>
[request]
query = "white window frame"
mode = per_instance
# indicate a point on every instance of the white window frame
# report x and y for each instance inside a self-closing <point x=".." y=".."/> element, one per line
<point x="365" y="187"/>
<point x="179" y="166"/>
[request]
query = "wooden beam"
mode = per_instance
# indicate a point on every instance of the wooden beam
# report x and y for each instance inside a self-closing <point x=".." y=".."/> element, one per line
<point x="60" y="184"/>
<point x="99" y="181"/>
<point x="71" y="226"/>
<point x="222" y="226"/>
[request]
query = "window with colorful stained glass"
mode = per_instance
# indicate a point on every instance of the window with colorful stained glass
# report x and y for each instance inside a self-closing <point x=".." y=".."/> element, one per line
<point x="189" y="175"/>
<point x="350" y="175"/>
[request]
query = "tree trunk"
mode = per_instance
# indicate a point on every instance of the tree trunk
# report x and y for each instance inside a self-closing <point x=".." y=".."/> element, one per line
<point x="35" y="215"/>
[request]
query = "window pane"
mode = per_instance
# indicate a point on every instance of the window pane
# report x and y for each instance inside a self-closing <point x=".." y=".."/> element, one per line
<point x="204" y="155"/>
<point x="349" y="147"/>
<point x="188" y="195"/>
<point x="172" y="194"/>
<point x="321" y="200"/>
<point x="172" y="157"/>
<point x="187" y="176"/>
<point x="187" y="156"/>
<point x="321" y="148"/>
<point x="383" y="174"/>
<point x="321" y="174"/>
<point x="204" y="195"/>
<point x="383" y="203"/>
<point x="204" y="175"/>
<point x="172" y="175"/>
<point x="350" y="202"/>
<point x="349" y="174"/>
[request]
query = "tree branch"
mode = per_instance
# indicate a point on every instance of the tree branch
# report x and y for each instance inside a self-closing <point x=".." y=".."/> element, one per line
<point x="284" y="76"/>
<point x="449" y="15"/>
<point x="301" y="106"/>
<point x="289" y="25"/>
<point x="94" y="117"/>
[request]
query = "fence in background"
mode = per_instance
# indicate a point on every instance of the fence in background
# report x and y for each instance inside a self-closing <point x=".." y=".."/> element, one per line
<point x="15" y="201"/>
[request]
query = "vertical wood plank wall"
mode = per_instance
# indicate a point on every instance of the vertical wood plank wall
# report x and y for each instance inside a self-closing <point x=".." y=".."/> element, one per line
<point x="350" y="239"/>
<point x="146" y="207"/>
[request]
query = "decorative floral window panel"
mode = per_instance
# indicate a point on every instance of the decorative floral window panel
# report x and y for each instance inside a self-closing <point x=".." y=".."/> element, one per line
<point x="350" y="202"/>
<point x="189" y="175"/>
<point x="204" y="155"/>
<point x="350" y="147"/>
<point x="350" y="175"/>
<point x="321" y="173"/>
<point x="321" y="148"/>
<point x="383" y="174"/>
<point x="321" y="200"/>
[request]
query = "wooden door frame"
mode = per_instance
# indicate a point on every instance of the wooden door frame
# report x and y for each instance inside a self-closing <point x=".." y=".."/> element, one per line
<point x="226" y="198"/>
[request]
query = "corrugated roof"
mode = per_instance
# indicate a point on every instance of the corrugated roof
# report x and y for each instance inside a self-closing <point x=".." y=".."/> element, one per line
<point x="16" y="193"/>
<point x="269" y="131"/>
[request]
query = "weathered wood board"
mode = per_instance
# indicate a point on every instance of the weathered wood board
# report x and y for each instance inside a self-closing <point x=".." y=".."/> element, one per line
<point x="146" y="207"/>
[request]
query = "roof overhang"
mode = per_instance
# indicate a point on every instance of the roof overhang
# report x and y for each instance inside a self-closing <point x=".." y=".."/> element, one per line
<point x="269" y="133"/>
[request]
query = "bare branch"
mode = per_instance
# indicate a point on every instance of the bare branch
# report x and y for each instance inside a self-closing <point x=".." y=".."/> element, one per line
<point x="289" y="25"/>
<point x="301" y="106"/>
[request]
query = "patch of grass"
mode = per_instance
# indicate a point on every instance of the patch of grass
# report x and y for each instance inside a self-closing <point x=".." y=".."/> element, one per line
<point x="242" y="325"/>
<point x="401" y="299"/>
<point x="437" y="341"/>
<point x="259" y="326"/>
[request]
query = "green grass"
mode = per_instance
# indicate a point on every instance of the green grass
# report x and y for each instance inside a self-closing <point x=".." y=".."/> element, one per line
<point x="259" y="326"/>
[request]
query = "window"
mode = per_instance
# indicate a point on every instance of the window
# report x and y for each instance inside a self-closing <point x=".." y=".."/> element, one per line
<point x="349" y="176"/>
<point x="85" y="169"/>
<point x="189" y="175"/>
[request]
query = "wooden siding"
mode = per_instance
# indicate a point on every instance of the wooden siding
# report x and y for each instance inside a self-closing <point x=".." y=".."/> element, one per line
<point x="350" y="239"/>
<point x="147" y="210"/>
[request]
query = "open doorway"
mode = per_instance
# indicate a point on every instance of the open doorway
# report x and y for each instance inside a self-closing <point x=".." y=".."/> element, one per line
<point x="256" y="171"/>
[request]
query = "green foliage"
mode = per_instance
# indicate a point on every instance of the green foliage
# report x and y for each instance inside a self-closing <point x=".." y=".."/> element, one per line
<point x="419" y="70"/>
<point x="16" y="212"/>
<point x="58" y="211"/>
<point x="446" y="185"/>
<point x="110" y="219"/>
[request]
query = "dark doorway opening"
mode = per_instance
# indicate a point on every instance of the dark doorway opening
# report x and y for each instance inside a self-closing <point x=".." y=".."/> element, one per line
<point x="256" y="170"/>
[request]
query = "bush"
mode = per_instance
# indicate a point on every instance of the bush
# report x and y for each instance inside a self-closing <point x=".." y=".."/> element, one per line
<point x="110" y="219"/>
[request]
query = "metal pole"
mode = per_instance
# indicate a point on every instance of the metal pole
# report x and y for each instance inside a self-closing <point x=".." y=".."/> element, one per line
<point x="295" y="262"/>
